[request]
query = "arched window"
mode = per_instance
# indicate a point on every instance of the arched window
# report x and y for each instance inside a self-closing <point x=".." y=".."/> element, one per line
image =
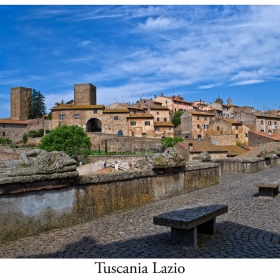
<point x="120" y="133"/>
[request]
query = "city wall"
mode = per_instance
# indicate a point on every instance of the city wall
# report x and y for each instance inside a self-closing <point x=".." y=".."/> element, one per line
<point x="31" y="208"/>
<point x="123" y="143"/>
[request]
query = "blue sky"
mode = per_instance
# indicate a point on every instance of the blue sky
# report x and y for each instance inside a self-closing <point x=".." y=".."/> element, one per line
<point x="128" y="52"/>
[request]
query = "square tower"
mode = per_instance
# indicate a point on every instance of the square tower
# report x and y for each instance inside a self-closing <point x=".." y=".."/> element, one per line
<point x="84" y="94"/>
<point x="20" y="102"/>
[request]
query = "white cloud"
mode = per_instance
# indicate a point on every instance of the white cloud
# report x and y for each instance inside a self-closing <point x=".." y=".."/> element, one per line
<point x="247" y="82"/>
<point x="209" y="86"/>
<point x="161" y="23"/>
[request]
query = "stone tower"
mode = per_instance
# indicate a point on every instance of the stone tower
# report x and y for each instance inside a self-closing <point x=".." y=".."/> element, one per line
<point x="19" y="102"/>
<point x="84" y="94"/>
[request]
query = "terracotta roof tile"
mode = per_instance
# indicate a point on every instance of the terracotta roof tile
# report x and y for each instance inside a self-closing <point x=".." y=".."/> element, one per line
<point x="167" y="124"/>
<point x="115" y="110"/>
<point x="77" y="107"/>
<point x="9" y="121"/>
<point x="140" y="116"/>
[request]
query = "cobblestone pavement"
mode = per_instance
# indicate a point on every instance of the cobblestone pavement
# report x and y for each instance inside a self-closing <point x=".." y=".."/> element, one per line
<point x="251" y="228"/>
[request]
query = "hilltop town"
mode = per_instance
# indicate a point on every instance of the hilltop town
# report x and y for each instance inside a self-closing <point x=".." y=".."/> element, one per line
<point x="220" y="128"/>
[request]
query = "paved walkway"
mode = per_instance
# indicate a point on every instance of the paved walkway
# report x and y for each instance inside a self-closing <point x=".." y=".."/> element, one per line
<point x="251" y="228"/>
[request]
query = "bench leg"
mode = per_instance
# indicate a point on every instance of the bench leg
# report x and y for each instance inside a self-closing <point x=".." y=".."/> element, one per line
<point x="207" y="227"/>
<point x="184" y="237"/>
<point x="271" y="192"/>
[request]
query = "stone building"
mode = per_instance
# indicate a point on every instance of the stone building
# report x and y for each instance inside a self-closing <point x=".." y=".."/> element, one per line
<point x="195" y="147"/>
<point x="121" y="119"/>
<point x="223" y="110"/>
<point x="141" y="125"/>
<point x="195" y="123"/>
<point x="19" y="102"/>
<point x="258" y="121"/>
<point x="174" y="103"/>
<point x="13" y="129"/>
<point x="229" y="127"/>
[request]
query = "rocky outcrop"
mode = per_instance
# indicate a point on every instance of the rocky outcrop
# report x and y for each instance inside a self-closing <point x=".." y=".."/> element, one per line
<point x="38" y="165"/>
<point x="169" y="158"/>
<point x="203" y="157"/>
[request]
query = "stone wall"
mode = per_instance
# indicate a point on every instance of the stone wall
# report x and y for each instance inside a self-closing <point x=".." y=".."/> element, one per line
<point x="250" y="165"/>
<point x="36" y="124"/>
<point x="124" y="143"/>
<point x="13" y="131"/>
<point x="223" y="140"/>
<point x="31" y="208"/>
<point x="8" y="153"/>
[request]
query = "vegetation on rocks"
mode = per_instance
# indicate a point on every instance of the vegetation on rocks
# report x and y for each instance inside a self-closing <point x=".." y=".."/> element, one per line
<point x="170" y="141"/>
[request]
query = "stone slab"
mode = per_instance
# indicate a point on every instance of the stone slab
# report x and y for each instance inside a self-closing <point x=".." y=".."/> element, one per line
<point x="268" y="183"/>
<point x="190" y="217"/>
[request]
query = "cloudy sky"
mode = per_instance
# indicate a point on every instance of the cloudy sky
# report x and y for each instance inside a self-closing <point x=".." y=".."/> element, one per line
<point x="128" y="52"/>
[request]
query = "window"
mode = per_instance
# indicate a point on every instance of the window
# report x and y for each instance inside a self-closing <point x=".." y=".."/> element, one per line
<point x="132" y="133"/>
<point x="236" y="136"/>
<point x="261" y="122"/>
<point x="134" y="111"/>
<point x="197" y="118"/>
<point x="198" y="126"/>
<point x="205" y="126"/>
<point x="165" y="119"/>
<point x="144" y="135"/>
<point x="132" y="123"/>
<point x="269" y="122"/>
<point x="157" y="119"/>
<point x="156" y="128"/>
<point x="116" y="118"/>
<point x="4" y="133"/>
<point x="218" y="128"/>
<point x="262" y="130"/>
<point x="95" y="111"/>
<point x="157" y="113"/>
<point x="76" y="116"/>
<point x="236" y="127"/>
<point x="147" y="122"/>
<point x="205" y="118"/>
<point x="246" y="134"/>
<point x="4" y="125"/>
<point x="210" y="119"/>
<point x="62" y="116"/>
<point x="275" y="123"/>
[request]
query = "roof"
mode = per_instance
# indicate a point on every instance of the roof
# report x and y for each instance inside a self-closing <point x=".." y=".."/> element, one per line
<point x="203" y="146"/>
<point x="270" y="147"/>
<point x="9" y="121"/>
<point x="273" y="136"/>
<point x="166" y="124"/>
<point x="159" y="108"/>
<point x="76" y="107"/>
<point x="200" y="113"/>
<point x="115" y="110"/>
<point x="233" y="121"/>
<point x="140" y="116"/>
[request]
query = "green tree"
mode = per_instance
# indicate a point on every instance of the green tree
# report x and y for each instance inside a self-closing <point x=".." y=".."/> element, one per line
<point x="70" y="139"/>
<point x="170" y="142"/>
<point x="177" y="118"/>
<point x="37" y="107"/>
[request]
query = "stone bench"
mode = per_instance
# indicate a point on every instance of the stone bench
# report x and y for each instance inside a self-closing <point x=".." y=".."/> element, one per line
<point x="268" y="186"/>
<point x="187" y="223"/>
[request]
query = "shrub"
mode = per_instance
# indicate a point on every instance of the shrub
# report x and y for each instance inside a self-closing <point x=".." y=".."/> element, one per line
<point x="5" y="141"/>
<point x="35" y="133"/>
<point x="24" y="138"/>
<point x="70" y="139"/>
<point x="170" y="142"/>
